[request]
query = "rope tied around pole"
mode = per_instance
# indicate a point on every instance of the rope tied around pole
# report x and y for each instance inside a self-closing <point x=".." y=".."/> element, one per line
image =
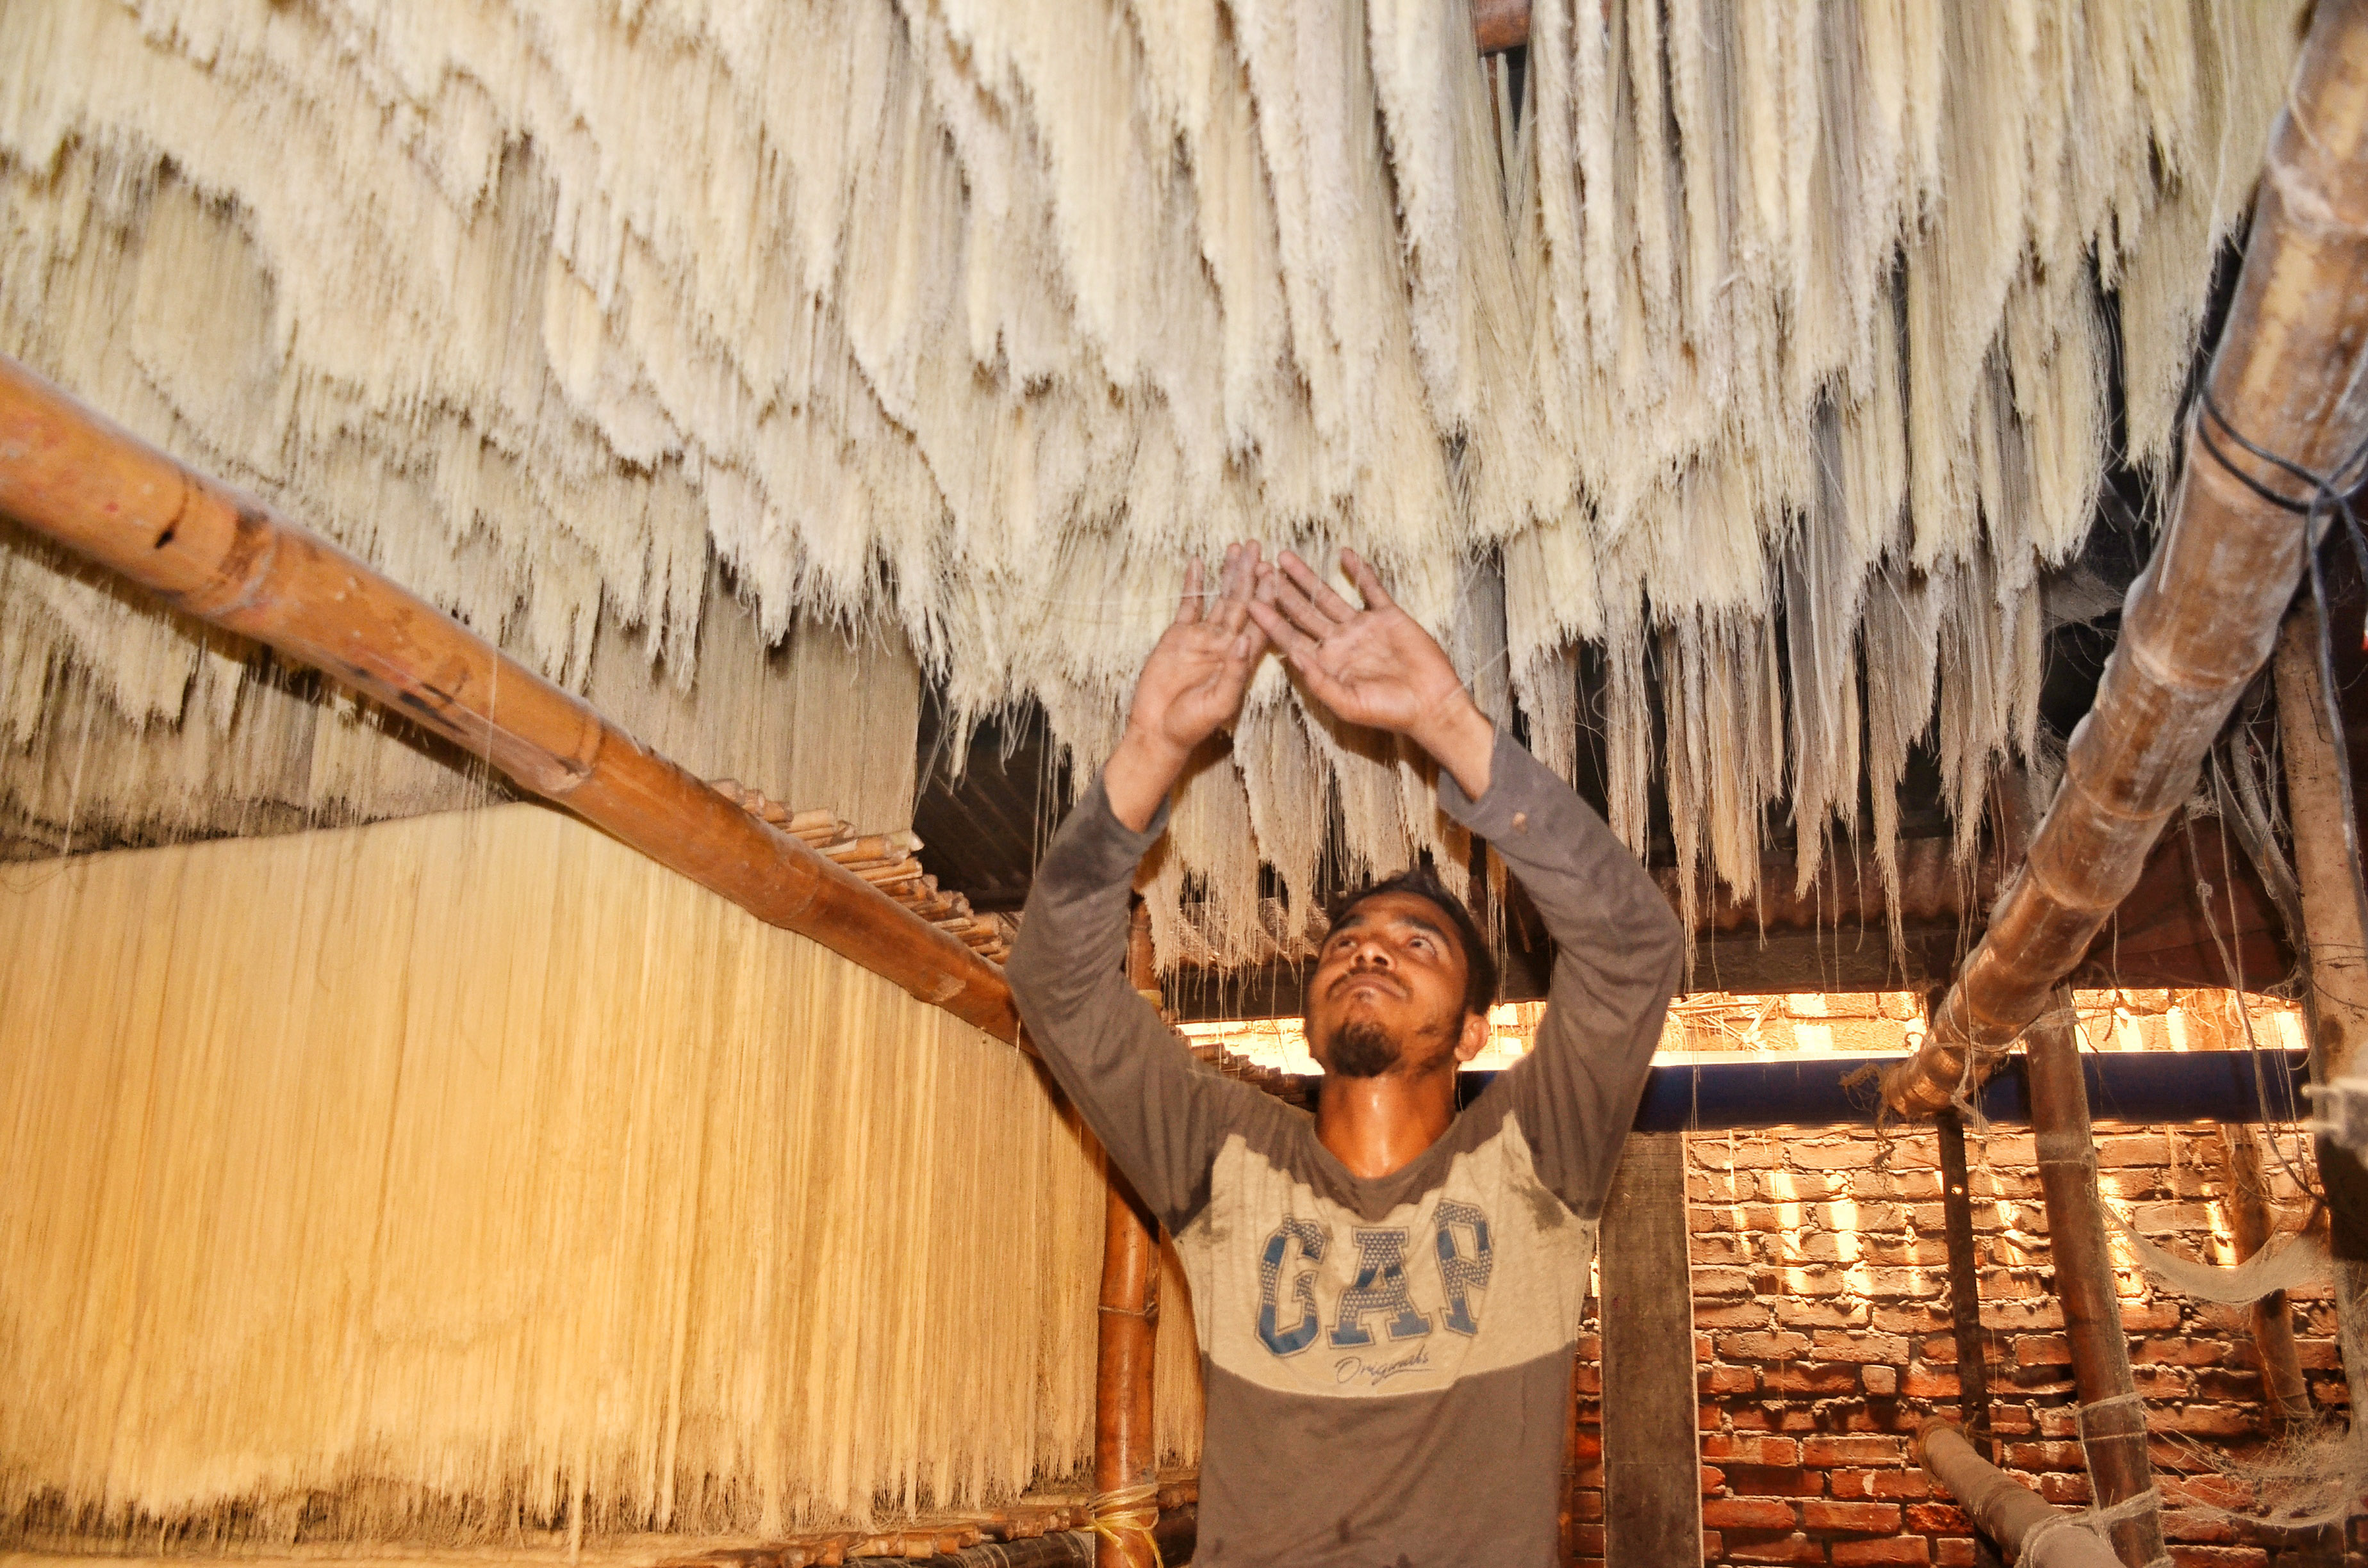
<point x="2098" y="1521"/>
<point x="1127" y="1515"/>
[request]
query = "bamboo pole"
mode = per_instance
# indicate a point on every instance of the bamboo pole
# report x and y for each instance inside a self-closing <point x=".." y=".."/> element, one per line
<point x="2273" y="1316"/>
<point x="2335" y="957"/>
<point x="1127" y="1445"/>
<point x="2002" y="1509"/>
<point x="228" y="558"/>
<point x="2200" y="620"/>
<point x="2113" y="1417"/>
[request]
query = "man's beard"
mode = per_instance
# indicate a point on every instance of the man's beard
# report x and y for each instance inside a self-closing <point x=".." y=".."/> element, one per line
<point x="1363" y="1048"/>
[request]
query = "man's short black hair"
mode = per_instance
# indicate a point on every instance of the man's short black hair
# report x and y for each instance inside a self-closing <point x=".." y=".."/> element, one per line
<point x="1479" y="963"/>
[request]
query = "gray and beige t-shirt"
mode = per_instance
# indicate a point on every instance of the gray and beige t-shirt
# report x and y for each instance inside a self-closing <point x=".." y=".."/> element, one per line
<point x="1387" y="1361"/>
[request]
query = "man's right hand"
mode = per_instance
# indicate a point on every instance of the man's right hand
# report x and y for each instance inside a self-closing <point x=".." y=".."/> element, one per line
<point x="1191" y="687"/>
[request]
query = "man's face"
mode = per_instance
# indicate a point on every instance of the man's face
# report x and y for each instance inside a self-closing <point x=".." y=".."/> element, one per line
<point x="1388" y="991"/>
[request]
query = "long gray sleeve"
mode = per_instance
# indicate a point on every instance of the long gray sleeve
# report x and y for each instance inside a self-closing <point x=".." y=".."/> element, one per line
<point x="1618" y="953"/>
<point x="1161" y="1115"/>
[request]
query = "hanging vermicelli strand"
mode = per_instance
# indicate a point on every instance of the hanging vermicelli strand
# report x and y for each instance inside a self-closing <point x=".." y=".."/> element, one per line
<point x="979" y="332"/>
<point x="416" y="1178"/>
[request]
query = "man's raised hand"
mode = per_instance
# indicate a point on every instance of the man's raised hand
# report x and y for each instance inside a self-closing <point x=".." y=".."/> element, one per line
<point x="1375" y="666"/>
<point x="1191" y="687"/>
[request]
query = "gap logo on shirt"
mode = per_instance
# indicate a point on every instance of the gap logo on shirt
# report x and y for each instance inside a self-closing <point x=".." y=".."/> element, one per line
<point x="1378" y="1304"/>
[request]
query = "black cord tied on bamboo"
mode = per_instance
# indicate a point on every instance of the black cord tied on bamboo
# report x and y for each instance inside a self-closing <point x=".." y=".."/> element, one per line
<point x="2328" y="497"/>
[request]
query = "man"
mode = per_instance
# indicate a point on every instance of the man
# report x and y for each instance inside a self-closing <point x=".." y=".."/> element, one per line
<point x="1386" y="1296"/>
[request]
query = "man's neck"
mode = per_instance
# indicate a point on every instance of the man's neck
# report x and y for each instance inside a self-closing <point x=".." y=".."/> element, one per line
<point x="1376" y="1126"/>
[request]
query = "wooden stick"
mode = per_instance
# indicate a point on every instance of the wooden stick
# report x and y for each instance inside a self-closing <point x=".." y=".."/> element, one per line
<point x="2113" y="1417"/>
<point x="226" y="558"/>
<point x="2201" y="617"/>
<point x="1964" y="1283"/>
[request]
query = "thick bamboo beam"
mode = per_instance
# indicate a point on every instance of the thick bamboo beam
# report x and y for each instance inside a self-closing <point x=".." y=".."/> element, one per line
<point x="2000" y="1509"/>
<point x="228" y="558"/>
<point x="2200" y="620"/>
<point x="2335" y="958"/>
<point x="2113" y="1417"/>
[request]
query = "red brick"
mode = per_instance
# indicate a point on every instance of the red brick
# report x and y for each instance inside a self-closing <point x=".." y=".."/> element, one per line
<point x="1771" y="1481"/>
<point x="1749" y="1514"/>
<point x="2043" y="1350"/>
<point x="1938" y="1518"/>
<point x="1732" y="1314"/>
<point x="1795" y="1313"/>
<point x="2143" y="1150"/>
<point x="1803" y="1279"/>
<point x="1713" y="1548"/>
<point x="2149" y="1317"/>
<point x="1712" y="1478"/>
<point x="1923" y="1383"/>
<point x="1812" y="1378"/>
<point x="1758" y="1154"/>
<point x="1865" y="1518"/>
<point x="2211" y="1491"/>
<point x="1908" y="1317"/>
<point x="1882" y="1383"/>
<point x="2066" y="1489"/>
<point x="2219" y="1557"/>
<point x="1912" y="1283"/>
<point x="1897" y="1549"/>
<point x="2053" y="1454"/>
<point x="2195" y="1525"/>
<point x="1839" y="1155"/>
<point x="1722" y="1282"/>
<point x="2202" y="1420"/>
<point x="1953" y="1551"/>
<point x="1836" y="1344"/>
<point x="1587" y="1539"/>
<point x="1781" y="1346"/>
<point x="1868" y="1484"/>
<point x="2180" y="1352"/>
<point x="1706" y="1247"/>
<point x="1586" y="1505"/>
<point x="1728" y="1380"/>
<point x="2015" y="1317"/>
<point x="1795" y="1548"/>
<point x="1822" y="1452"/>
<point x="1721" y="1448"/>
<point x="1914" y="1184"/>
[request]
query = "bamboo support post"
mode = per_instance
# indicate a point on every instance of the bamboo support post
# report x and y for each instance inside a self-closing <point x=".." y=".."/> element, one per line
<point x="215" y="554"/>
<point x="1964" y="1283"/>
<point x="2273" y="1316"/>
<point x="1126" y="1446"/>
<point x="2200" y="620"/>
<point x="2335" y="957"/>
<point x="2000" y="1509"/>
<point x="2112" y="1416"/>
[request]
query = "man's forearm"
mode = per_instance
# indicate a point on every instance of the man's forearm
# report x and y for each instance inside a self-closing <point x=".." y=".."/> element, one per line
<point x="1462" y="741"/>
<point x="1140" y="774"/>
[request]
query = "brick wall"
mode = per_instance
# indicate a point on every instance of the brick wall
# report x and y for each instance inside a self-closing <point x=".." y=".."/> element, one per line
<point x="1823" y="1340"/>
